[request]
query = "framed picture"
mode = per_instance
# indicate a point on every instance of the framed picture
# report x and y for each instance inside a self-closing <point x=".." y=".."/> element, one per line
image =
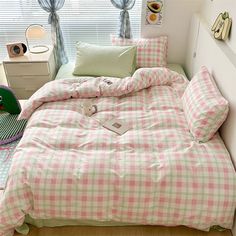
<point x="154" y="12"/>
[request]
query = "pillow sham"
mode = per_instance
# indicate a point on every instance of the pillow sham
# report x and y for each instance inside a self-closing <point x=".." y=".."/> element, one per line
<point x="150" y="52"/>
<point x="204" y="107"/>
<point x="113" y="61"/>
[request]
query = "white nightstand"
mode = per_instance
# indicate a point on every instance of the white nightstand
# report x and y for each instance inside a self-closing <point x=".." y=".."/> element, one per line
<point x="26" y="74"/>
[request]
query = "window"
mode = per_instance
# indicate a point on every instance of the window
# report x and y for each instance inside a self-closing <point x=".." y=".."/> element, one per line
<point x="90" y="21"/>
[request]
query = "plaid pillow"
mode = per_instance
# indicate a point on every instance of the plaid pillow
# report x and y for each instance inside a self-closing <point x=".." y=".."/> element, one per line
<point x="204" y="107"/>
<point x="150" y="52"/>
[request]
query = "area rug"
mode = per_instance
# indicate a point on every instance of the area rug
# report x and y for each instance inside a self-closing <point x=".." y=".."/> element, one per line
<point x="11" y="129"/>
<point x="6" y="153"/>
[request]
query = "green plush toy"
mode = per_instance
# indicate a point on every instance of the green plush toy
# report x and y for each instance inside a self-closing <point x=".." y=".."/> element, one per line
<point x="8" y="101"/>
<point x="11" y="129"/>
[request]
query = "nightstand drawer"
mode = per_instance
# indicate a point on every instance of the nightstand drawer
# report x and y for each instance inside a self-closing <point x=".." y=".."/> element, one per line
<point x="28" y="82"/>
<point x="16" y="69"/>
<point x="23" y="93"/>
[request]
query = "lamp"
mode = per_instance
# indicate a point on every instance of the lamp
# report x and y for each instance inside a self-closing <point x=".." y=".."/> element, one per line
<point x="35" y="31"/>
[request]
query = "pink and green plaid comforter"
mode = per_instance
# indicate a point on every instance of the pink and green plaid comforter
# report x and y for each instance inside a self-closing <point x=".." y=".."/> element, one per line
<point x="67" y="166"/>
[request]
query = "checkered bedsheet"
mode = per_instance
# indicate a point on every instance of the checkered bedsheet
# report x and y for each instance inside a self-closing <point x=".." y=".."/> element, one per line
<point x="6" y="152"/>
<point x="67" y="166"/>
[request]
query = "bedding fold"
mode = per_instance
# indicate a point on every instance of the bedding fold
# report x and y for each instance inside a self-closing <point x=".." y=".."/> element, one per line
<point x="101" y="87"/>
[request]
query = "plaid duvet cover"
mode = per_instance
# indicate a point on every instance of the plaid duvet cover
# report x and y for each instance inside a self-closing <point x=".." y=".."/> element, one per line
<point x="67" y="166"/>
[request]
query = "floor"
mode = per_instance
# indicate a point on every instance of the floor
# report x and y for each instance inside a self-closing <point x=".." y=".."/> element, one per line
<point x="123" y="231"/>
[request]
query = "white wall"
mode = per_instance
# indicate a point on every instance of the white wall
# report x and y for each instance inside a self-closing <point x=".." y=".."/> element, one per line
<point x="176" y="23"/>
<point x="212" y="8"/>
<point x="220" y="58"/>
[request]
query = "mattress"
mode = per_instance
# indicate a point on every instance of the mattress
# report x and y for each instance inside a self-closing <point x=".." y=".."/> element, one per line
<point x="66" y="70"/>
<point x="69" y="167"/>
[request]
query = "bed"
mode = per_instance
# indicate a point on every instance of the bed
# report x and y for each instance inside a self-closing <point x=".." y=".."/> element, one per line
<point x="69" y="169"/>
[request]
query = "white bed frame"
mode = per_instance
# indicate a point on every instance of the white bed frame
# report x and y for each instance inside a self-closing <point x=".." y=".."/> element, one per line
<point x="203" y="49"/>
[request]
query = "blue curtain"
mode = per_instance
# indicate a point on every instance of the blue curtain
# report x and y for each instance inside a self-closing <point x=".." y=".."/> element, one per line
<point x="52" y="6"/>
<point x="124" y="6"/>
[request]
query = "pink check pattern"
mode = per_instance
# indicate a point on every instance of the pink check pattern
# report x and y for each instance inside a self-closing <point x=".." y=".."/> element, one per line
<point x="67" y="166"/>
<point x="204" y="106"/>
<point x="150" y="52"/>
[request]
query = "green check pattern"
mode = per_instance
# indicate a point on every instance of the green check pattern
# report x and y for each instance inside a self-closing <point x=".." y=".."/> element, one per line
<point x="11" y="129"/>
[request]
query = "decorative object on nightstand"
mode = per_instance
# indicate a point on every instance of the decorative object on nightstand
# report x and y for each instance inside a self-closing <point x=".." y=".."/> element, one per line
<point x="16" y="49"/>
<point x="36" y="32"/>
<point x="28" y="73"/>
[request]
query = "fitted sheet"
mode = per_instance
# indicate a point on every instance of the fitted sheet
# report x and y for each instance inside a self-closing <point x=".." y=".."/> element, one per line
<point x="68" y="167"/>
<point x="66" y="70"/>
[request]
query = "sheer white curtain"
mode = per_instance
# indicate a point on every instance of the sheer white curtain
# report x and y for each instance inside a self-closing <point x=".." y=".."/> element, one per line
<point x="125" y="30"/>
<point x="90" y="21"/>
<point x="52" y="7"/>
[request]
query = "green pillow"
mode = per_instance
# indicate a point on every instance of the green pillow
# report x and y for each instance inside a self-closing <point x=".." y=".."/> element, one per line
<point x="113" y="61"/>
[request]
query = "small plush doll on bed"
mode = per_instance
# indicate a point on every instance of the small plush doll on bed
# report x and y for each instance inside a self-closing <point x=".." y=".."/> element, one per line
<point x="88" y="109"/>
